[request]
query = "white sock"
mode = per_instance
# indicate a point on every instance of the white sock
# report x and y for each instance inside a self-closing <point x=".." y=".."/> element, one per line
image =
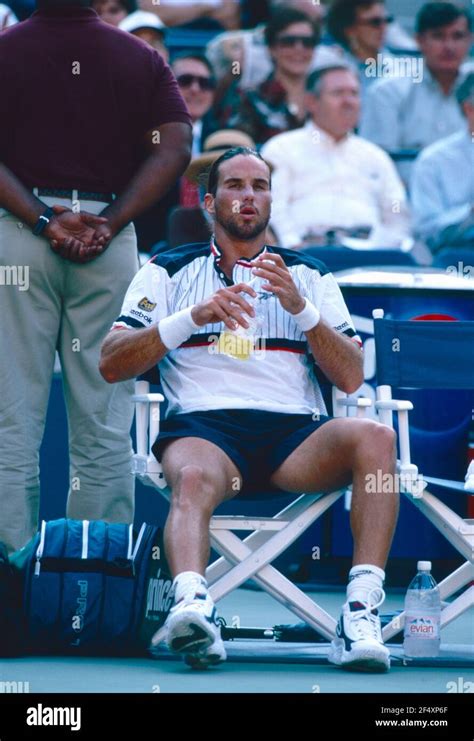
<point x="187" y="581"/>
<point x="362" y="579"/>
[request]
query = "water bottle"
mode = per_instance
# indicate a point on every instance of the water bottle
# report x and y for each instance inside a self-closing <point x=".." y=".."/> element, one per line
<point x="422" y="614"/>
<point x="240" y="343"/>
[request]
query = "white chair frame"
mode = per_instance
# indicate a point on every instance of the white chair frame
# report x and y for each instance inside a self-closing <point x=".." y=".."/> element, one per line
<point x="251" y="557"/>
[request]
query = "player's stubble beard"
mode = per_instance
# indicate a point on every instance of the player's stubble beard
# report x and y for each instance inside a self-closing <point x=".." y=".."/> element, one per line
<point x="242" y="232"/>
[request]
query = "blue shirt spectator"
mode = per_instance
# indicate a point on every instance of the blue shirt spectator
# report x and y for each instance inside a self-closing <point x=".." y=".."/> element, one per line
<point x="443" y="183"/>
<point x="414" y="111"/>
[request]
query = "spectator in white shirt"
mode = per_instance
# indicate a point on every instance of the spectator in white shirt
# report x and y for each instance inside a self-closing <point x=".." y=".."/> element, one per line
<point x="326" y="179"/>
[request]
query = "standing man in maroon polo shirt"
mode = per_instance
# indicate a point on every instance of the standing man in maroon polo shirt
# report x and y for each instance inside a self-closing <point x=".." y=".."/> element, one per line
<point x="91" y="122"/>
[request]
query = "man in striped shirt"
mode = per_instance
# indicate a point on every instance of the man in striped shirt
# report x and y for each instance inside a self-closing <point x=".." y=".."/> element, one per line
<point x="239" y="422"/>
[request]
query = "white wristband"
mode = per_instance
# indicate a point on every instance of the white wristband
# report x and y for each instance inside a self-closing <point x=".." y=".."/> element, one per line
<point x="308" y="318"/>
<point x="177" y="328"/>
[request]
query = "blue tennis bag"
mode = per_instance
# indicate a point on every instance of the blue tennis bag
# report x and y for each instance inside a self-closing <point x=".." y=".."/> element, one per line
<point x="90" y="587"/>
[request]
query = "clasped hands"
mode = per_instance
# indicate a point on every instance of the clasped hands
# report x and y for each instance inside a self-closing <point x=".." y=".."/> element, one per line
<point x="79" y="237"/>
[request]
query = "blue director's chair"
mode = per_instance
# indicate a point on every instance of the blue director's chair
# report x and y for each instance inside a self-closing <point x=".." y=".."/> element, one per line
<point x="428" y="355"/>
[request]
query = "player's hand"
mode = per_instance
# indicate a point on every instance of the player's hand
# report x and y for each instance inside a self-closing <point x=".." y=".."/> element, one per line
<point x="272" y="268"/>
<point x="225" y="306"/>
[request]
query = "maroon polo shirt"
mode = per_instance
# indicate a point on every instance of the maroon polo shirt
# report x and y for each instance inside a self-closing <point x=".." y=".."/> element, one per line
<point x="76" y="99"/>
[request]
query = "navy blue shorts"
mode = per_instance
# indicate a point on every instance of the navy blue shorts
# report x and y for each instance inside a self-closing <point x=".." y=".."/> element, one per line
<point x="256" y="441"/>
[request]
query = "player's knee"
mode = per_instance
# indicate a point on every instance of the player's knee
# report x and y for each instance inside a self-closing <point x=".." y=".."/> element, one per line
<point x="376" y="438"/>
<point x="194" y="489"/>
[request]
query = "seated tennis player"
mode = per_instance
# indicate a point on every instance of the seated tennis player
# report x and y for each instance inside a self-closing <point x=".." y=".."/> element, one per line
<point x="245" y="416"/>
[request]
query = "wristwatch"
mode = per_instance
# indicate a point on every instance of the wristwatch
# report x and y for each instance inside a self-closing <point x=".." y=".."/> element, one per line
<point x="43" y="221"/>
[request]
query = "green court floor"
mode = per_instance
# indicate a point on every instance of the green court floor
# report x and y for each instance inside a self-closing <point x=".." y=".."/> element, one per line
<point x="253" y="609"/>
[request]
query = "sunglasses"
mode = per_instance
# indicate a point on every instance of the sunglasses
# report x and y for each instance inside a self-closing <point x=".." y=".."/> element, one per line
<point x="205" y="83"/>
<point x="377" y="22"/>
<point x="309" y="42"/>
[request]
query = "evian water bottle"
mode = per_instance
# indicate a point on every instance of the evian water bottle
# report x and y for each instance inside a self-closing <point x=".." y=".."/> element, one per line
<point x="422" y="614"/>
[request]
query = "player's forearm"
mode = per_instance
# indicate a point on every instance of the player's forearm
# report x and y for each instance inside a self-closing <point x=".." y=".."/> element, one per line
<point x="17" y="199"/>
<point x="339" y="358"/>
<point x="130" y="352"/>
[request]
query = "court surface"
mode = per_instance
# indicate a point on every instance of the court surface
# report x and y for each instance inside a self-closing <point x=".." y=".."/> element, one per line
<point x="244" y="674"/>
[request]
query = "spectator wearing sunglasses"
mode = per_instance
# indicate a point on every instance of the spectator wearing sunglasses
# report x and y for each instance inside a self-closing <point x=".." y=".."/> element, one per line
<point x="195" y="77"/>
<point x="360" y="28"/>
<point x="277" y="104"/>
<point x="408" y="114"/>
<point x="196" y="82"/>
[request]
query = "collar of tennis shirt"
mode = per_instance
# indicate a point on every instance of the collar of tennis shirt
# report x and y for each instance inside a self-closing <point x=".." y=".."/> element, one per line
<point x="244" y="261"/>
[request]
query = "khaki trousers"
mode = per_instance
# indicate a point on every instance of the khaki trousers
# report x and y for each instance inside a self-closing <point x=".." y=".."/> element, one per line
<point x="49" y="304"/>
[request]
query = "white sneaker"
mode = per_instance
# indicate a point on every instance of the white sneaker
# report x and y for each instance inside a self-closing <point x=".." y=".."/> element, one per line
<point x="192" y="623"/>
<point x="358" y="645"/>
<point x="214" y="654"/>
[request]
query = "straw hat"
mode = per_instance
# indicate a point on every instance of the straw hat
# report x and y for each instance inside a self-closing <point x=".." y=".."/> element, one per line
<point x="215" y="145"/>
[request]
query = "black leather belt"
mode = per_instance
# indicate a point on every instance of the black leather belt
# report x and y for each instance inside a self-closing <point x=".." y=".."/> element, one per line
<point x="84" y="195"/>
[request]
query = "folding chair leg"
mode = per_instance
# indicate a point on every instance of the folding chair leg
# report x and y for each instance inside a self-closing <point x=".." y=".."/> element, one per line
<point x="263" y="546"/>
<point x="455" y="581"/>
<point x="454" y="528"/>
<point x="267" y="552"/>
<point x="457" y="607"/>
<point x="221" y="565"/>
<point x="450" y="585"/>
<point x="252" y="565"/>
